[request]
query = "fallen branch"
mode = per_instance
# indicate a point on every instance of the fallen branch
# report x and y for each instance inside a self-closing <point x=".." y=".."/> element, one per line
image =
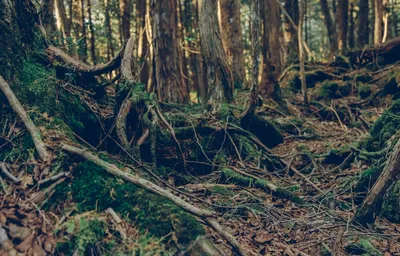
<point x="390" y="174"/>
<point x="30" y="126"/>
<point x="8" y="174"/>
<point x="79" y="66"/>
<point x="206" y="215"/>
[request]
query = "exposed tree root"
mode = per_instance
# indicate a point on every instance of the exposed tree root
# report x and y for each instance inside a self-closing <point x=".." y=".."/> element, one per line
<point x="206" y="215"/>
<point x="79" y="66"/>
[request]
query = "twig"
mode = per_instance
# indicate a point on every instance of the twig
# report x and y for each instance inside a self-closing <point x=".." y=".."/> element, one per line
<point x="8" y="174"/>
<point x="55" y="177"/>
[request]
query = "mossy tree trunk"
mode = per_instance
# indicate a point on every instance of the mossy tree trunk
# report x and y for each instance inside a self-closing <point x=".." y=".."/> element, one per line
<point x="17" y="21"/>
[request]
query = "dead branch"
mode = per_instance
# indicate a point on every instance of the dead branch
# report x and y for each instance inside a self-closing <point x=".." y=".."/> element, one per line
<point x="206" y="215"/>
<point x="30" y="126"/>
<point x="8" y="174"/>
<point x="390" y="174"/>
<point x="79" y="66"/>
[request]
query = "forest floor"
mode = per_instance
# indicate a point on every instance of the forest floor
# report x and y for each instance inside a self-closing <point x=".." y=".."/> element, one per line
<point x="270" y="225"/>
<point x="298" y="197"/>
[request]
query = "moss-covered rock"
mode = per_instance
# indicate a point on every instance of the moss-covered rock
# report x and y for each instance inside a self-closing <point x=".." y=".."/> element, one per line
<point x="362" y="247"/>
<point x="95" y="189"/>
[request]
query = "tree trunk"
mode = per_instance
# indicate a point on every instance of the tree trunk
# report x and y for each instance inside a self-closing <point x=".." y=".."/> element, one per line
<point x="170" y="85"/>
<point x="92" y="36"/>
<point x="48" y="19"/>
<point x="389" y="175"/>
<point x="17" y="23"/>
<point x="342" y="16"/>
<point x="378" y="22"/>
<point x="232" y="38"/>
<point x="272" y="51"/>
<point x="125" y="13"/>
<point x="200" y="74"/>
<point x="330" y="27"/>
<point x="363" y="28"/>
<point x="110" y="47"/>
<point x="351" y="30"/>
<point x="292" y="8"/>
<point x="63" y="23"/>
<point x="219" y="73"/>
<point x="301" y="54"/>
<point x="143" y="44"/>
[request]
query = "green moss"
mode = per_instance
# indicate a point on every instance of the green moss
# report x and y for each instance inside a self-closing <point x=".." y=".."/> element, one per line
<point x="391" y="204"/>
<point x="96" y="189"/>
<point x="385" y="127"/>
<point x="364" y="91"/>
<point x="363" y="247"/>
<point x="327" y="90"/>
<point x="82" y="234"/>
<point x="231" y="176"/>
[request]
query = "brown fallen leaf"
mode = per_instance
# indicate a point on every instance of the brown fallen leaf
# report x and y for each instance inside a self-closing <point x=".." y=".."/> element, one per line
<point x="25" y="245"/>
<point x="263" y="237"/>
<point x="19" y="232"/>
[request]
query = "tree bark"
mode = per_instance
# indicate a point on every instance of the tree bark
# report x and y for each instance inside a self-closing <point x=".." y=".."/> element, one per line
<point x="301" y="55"/>
<point x="92" y="35"/>
<point x="330" y="27"/>
<point x="351" y="29"/>
<point x="219" y="73"/>
<point x="378" y="22"/>
<point x="110" y="47"/>
<point x="363" y="28"/>
<point x="125" y="14"/>
<point x="232" y="38"/>
<point x="48" y="19"/>
<point x="342" y="16"/>
<point x="170" y="85"/>
<point x="292" y="8"/>
<point x="389" y="175"/>
<point x="143" y="44"/>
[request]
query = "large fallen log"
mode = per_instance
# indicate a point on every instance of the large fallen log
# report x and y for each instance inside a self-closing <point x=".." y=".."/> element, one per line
<point x="390" y="174"/>
<point x="207" y="216"/>
<point x="79" y="66"/>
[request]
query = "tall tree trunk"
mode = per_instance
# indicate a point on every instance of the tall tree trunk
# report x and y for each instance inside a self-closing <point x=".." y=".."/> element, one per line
<point x="301" y="54"/>
<point x="83" y="46"/>
<point x="351" y="29"/>
<point x="200" y="74"/>
<point x="125" y="13"/>
<point x="385" y="21"/>
<point x="110" y="47"/>
<point x="182" y="42"/>
<point x="232" y="38"/>
<point x="48" y="19"/>
<point x="219" y="73"/>
<point x="378" y="21"/>
<point x="292" y="8"/>
<point x="342" y="17"/>
<point x="63" y="22"/>
<point x="168" y="65"/>
<point x="92" y="35"/>
<point x="272" y="51"/>
<point x="363" y="21"/>
<point x="17" y="23"/>
<point x="143" y="44"/>
<point x="330" y="26"/>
